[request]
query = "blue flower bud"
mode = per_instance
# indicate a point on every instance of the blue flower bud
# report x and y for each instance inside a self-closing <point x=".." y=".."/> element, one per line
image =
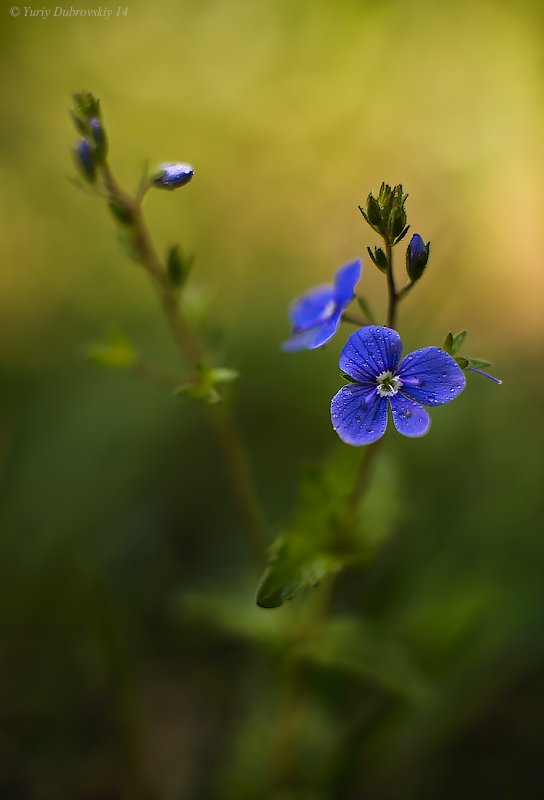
<point x="98" y="138"/>
<point x="417" y="255"/>
<point x="172" y="176"/>
<point x="85" y="159"/>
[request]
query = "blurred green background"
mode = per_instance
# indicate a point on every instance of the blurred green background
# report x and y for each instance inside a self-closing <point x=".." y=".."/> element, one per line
<point x="134" y="661"/>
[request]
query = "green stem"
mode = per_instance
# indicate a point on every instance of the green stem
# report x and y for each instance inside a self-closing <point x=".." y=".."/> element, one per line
<point x="391" y="289"/>
<point x="401" y="294"/>
<point x="362" y="476"/>
<point x="352" y="320"/>
<point x="228" y="434"/>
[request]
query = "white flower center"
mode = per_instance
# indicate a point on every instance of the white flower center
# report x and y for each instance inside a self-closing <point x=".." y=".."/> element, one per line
<point x="328" y="311"/>
<point x="388" y="384"/>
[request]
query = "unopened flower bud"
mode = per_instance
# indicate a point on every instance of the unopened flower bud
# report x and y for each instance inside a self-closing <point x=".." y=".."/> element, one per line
<point x="172" y="176"/>
<point x="99" y="139"/>
<point x="417" y="255"/>
<point x="85" y="159"/>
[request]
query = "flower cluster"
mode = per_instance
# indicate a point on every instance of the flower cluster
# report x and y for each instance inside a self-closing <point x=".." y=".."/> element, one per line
<point x="379" y="379"/>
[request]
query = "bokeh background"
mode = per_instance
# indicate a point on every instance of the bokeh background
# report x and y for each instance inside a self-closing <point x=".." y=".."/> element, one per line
<point x="135" y="663"/>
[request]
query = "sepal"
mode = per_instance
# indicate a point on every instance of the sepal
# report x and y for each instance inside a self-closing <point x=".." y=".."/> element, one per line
<point x="378" y="258"/>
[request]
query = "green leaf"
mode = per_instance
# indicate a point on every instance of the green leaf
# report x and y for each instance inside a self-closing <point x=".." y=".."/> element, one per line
<point x="347" y="644"/>
<point x="121" y="213"/>
<point x="178" y="265"/>
<point x="293" y="568"/>
<point x="478" y="363"/>
<point x="458" y="341"/>
<point x="402" y="235"/>
<point x="365" y="308"/>
<point x="199" y="391"/>
<point x="379" y="259"/>
<point x="220" y="375"/>
<point x="309" y="550"/>
<point x="115" y="353"/>
<point x="448" y="344"/>
<point x="462" y="362"/>
<point x="204" y="388"/>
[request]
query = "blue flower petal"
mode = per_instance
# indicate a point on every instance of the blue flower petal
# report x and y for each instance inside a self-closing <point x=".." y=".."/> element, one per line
<point x="312" y="308"/>
<point x="313" y="338"/>
<point x="409" y="417"/>
<point x="370" y="351"/>
<point x="431" y="377"/>
<point x="358" y="414"/>
<point x="345" y="280"/>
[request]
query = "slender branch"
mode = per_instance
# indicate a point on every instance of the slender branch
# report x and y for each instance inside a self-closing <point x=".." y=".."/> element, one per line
<point x="401" y="294"/>
<point x="143" y="369"/>
<point x="234" y="450"/>
<point x="353" y="320"/>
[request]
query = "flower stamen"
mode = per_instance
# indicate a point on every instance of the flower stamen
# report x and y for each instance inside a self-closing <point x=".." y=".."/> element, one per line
<point x="388" y="384"/>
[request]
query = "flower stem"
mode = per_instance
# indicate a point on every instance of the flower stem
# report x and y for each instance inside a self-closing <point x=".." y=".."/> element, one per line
<point x="401" y="294"/>
<point x="227" y="432"/>
<point x="391" y="288"/>
<point x="359" y="486"/>
<point x="353" y="320"/>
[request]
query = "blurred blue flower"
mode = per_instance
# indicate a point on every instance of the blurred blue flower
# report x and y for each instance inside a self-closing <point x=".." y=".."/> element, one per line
<point x="371" y="360"/>
<point x="172" y="176"/>
<point x="316" y="315"/>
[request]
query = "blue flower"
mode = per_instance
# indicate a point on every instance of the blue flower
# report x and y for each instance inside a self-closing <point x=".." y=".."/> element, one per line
<point x="172" y="176"/>
<point x="371" y="359"/>
<point x="316" y="315"/>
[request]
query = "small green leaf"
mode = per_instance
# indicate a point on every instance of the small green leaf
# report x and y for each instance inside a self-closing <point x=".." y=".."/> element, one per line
<point x="462" y="362"/>
<point x="402" y="235"/>
<point x="178" y="265"/>
<point x="219" y="375"/>
<point x="478" y="363"/>
<point x="200" y="392"/>
<point x="448" y="344"/>
<point x="293" y="568"/>
<point x="458" y="341"/>
<point x="121" y="213"/>
<point x="365" y="308"/>
<point x="115" y="353"/>
<point x="379" y="259"/>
